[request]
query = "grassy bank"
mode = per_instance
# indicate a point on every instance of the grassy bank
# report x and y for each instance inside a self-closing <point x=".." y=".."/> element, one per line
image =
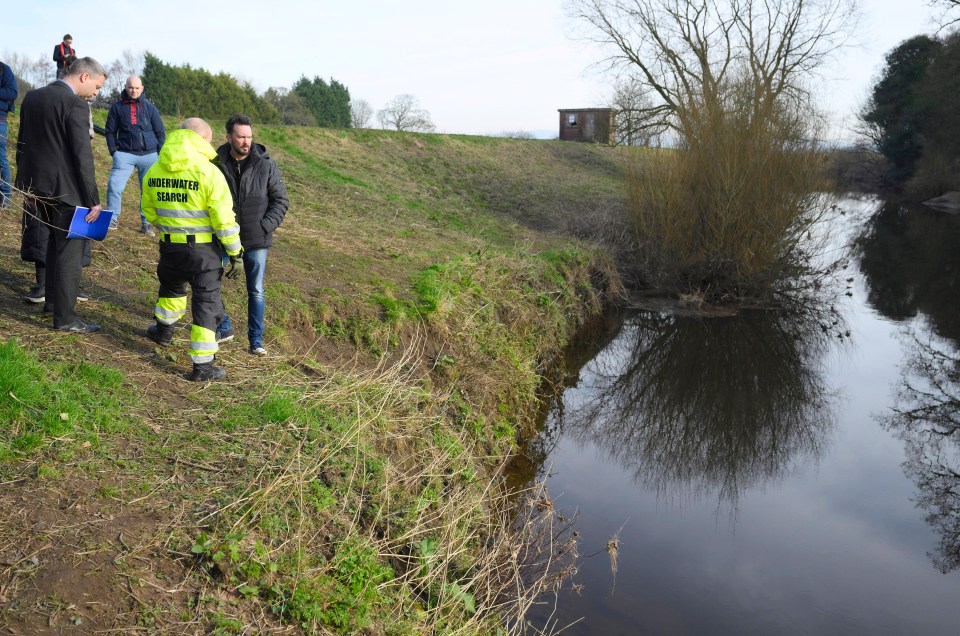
<point x="350" y="482"/>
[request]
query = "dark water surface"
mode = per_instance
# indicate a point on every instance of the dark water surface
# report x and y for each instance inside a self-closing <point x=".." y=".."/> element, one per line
<point x="789" y="472"/>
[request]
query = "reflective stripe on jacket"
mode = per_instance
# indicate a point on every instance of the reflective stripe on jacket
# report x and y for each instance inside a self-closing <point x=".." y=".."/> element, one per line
<point x="185" y="195"/>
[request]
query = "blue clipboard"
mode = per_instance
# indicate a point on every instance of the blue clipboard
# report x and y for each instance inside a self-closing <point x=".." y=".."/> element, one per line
<point x="79" y="228"/>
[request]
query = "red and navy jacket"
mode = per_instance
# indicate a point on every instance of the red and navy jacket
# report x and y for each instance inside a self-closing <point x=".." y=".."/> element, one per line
<point x="134" y="126"/>
<point x="61" y="51"/>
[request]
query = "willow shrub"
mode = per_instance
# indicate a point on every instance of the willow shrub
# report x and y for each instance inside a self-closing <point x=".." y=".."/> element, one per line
<point x="733" y="213"/>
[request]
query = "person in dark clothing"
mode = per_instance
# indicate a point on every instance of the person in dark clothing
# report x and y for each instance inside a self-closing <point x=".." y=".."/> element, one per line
<point x="55" y="171"/>
<point x="135" y="134"/>
<point x="61" y="52"/>
<point x="33" y="249"/>
<point x="67" y="61"/>
<point x="260" y="203"/>
<point x="8" y="98"/>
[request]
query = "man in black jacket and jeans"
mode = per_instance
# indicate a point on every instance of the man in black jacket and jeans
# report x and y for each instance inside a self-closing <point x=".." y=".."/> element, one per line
<point x="260" y="203"/>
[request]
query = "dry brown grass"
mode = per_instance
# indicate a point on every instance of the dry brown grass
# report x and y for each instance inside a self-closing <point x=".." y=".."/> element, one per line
<point x="238" y="506"/>
<point x="734" y="213"/>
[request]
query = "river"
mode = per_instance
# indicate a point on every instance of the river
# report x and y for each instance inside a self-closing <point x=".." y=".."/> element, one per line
<point x="777" y="472"/>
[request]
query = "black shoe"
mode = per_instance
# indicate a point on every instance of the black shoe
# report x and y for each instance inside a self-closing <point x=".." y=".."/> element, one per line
<point x="78" y="326"/>
<point x="206" y="373"/>
<point x="82" y="297"/>
<point x="35" y="295"/>
<point x="161" y="334"/>
<point x="48" y="308"/>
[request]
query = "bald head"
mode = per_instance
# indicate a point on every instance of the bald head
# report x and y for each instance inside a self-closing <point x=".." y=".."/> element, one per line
<point x="198" y="126"/>
<point x="134" y="87"/>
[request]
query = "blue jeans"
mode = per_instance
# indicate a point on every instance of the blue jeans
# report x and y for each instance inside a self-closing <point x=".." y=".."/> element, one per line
<point x="4" y="164"/>
<point x="123" y="165"/>
<point x="254" y="268"/>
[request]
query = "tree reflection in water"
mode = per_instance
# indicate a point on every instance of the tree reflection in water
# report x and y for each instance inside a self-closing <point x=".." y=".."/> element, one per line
<point x="694" y="405"/>
<point x="910" y="259"/>
<point x="927" y="419"/>
<point x="912" y="267"/>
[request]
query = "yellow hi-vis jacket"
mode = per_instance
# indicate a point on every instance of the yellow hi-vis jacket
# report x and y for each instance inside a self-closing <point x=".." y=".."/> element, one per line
<point x="185" y="195"/>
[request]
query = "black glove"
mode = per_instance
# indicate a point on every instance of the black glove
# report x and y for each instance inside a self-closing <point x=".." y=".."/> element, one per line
<point x="233" y="272"/>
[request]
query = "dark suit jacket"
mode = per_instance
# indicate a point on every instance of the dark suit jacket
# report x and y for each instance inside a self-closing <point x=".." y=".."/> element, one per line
<point x="54" y="156"/>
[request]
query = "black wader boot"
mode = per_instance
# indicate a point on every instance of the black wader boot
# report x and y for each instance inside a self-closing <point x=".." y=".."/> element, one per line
<point x="161" y="334"/>
<point x="37" y="293"/>
<point x="206" y="372"/>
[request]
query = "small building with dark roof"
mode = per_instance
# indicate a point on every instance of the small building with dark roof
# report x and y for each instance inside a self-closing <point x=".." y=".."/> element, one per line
<point x="597" y="125"/>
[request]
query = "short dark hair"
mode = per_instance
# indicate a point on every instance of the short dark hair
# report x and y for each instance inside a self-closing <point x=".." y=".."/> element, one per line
<point x="238" y="120"/>
<point x="67" y="37"/>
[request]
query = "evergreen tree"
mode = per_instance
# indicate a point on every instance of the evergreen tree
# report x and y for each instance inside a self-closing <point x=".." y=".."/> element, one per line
<point x="329" y="103"/>
<point x="938" y="169"/>
<point x="186" y="92"/>
<point x="894" y="114"/>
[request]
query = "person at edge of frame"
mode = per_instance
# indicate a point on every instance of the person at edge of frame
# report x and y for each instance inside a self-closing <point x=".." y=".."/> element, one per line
<point x="8" y="104"/>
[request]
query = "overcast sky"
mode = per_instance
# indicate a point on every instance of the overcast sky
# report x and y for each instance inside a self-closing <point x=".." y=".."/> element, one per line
<point x="477" y="67"/>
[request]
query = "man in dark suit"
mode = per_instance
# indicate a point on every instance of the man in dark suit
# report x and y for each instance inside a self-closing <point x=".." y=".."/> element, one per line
<point x="55" y="170"/>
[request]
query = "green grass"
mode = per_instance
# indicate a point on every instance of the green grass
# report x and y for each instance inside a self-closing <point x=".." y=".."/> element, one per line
<point x="343" y="599"/>
<point x="412" y="305"/>
<point x="40" y="401"/>
<point x="319" y="171"/>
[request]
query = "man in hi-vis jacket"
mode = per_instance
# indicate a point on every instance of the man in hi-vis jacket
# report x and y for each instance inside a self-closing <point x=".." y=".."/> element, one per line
<point x="186" y="198"/>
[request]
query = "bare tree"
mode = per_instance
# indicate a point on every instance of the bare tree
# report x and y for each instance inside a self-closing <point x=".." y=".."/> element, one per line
<point x="19" y="64"/>
<point x="42" y="71"/>
<point x="130" y="63"/>
<point x="686" y="52"/>
<point x="361" y="112"/>
<point x="403" y="112"/>
<point x="947" y="15"/>
<point x="113" y="85"/>
<point x="22" y="69"/>
<point x="732" y="216"/>
<point x="632" y="102"/>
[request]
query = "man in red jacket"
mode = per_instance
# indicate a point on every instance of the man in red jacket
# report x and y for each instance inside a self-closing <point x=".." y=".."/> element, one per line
<point x="60" y="52"/>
